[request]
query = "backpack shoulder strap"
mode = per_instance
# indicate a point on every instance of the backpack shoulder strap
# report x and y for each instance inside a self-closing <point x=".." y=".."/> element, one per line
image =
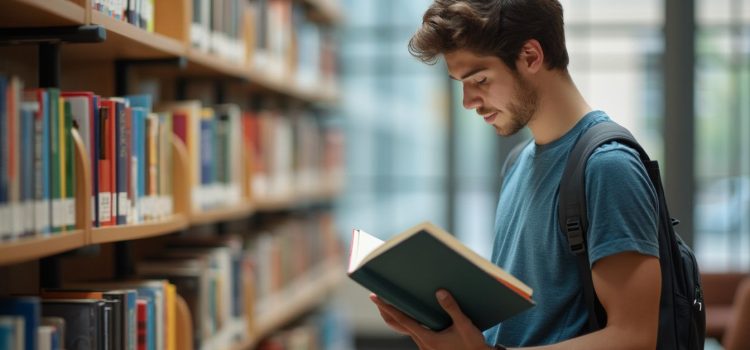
<point x="572" y="213"/>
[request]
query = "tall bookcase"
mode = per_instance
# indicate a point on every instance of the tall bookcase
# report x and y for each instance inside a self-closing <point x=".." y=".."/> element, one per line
<point x="131" y="54"/>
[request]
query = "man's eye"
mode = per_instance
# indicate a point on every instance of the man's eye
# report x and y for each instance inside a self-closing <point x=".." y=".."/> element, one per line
<point x="482" y="81"/>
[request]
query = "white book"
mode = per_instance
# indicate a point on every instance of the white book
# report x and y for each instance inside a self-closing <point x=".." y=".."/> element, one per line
<point x="44" y="337"/>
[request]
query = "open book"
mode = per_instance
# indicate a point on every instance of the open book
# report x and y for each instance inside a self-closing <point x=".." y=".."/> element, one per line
<point x="408" y="269"/>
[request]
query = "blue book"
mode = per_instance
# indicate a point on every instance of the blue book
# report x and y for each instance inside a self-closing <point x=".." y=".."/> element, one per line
<point x="138" y="133"/>
<point x="5" y="227"/>
<point x="41" y="160"/>
<point x="28" y="308"/>
<point x="27" y="168"/>
<point x="10" y="326"/>
<point x="121" y="167"/>
<point x="207" y="151"/>
<point x="97" y="150"/>
<point x="142" y="101"/>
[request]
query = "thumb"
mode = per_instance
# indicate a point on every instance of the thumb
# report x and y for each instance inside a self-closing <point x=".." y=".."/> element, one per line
<point x="451" y="307"/>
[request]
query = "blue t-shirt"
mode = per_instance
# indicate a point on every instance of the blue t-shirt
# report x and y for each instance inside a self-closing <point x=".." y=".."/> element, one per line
<point x="622" y="213"/>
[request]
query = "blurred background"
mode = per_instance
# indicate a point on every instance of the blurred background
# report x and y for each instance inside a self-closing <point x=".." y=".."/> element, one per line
<point x="676" y="73"/>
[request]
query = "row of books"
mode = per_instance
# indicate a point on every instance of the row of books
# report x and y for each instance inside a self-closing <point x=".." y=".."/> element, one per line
<point x="128" y="147"/>
<point x="326" y="328"/>
<point x="217" y="27"/>
<point x="286" y="250"/>
<point x="122" y="315"/>
<point x="37" y="172"/>
<point x="139" y="13"/>
<point x="282" y="40"/>
<point x="293" y="153"/>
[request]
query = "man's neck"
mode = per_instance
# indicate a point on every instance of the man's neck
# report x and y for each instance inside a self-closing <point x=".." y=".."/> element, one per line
<point x="560" y="107"/>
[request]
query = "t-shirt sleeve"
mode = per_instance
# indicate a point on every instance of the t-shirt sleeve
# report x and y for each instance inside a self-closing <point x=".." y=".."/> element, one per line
<point x="622" y="204"/>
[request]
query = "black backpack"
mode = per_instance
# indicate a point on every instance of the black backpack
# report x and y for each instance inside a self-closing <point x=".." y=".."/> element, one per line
<point x="682" y="316"/>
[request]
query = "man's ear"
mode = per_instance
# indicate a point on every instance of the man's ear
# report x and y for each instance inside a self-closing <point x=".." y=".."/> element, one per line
<point x="531" y="57"/>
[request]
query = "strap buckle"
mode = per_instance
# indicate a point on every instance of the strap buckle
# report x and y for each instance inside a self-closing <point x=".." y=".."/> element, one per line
<point x="575" y="235"/>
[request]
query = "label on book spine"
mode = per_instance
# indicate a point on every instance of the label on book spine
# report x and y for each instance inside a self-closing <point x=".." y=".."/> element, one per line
<point x="41" y="216"/>
<point x="70" y="211"/>
<point x="17" y="219"/>
<point x="105" y="206"/>
<point x="30" y="213"/>
<point x="122" y="204"/>
<point x="58" y="213"/>
<point x="4" y="222"/>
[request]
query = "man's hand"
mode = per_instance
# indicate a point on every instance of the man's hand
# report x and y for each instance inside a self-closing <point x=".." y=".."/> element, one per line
<point x="462" y="334"/>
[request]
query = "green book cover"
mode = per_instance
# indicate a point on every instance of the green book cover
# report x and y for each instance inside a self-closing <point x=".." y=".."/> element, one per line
<point x="407" y="270"/>
<point x="55" y="168"/>
<point x="69" y="195"/>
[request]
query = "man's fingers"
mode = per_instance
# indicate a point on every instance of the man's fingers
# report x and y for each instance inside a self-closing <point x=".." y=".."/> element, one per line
<point x="411" y="326"/>
<point x="454" y="311"/>
<point x="388" y="319"/>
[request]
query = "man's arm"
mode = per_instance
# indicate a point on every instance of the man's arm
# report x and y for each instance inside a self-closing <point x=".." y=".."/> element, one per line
<point x="628" y="286"/>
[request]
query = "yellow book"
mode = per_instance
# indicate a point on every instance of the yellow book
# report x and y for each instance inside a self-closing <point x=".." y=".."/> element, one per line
<point x="171" y="317"/>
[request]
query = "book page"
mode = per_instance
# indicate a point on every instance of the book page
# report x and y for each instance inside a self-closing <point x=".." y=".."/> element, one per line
<point x="363" y="244"/>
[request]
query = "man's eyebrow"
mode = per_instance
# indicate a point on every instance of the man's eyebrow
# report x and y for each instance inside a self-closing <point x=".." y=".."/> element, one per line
<point x="469" y="74"/>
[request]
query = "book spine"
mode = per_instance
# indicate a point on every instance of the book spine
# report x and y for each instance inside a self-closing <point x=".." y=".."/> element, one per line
<point x="69" y="200"/>
<point x="106" y="154"/>
<point x="142" y="325"/>
<point x="55" y="168"/>
<point x="142" y="161"/>
<point x="14" y="160"/>
<point x="5" y="217"/>
<point x="121" y="165"/>
<point x="136" y="137"/>
<point x="27" y="167"/>
<point x="43" y="204"/>
<point x="152" y="129"/>
<point x="95" y="155"/>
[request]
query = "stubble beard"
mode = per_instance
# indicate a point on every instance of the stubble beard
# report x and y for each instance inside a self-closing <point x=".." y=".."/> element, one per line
<point x="521" y="110"/>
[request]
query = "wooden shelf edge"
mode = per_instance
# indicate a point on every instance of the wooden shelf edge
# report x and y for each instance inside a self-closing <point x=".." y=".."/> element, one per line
<point x="295" y="300"/>
<point x="157" y="42"/>
<point x="238" y="211"/>
<point x="65" y="11"/>
<point x="40" y="247"/>
<point x="169" y="225"/>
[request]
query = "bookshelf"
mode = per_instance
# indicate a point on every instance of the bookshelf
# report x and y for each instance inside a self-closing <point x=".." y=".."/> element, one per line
<point x="169" y="40"/>
<point x="301" y="296"/>
<point x="41" y="13"/>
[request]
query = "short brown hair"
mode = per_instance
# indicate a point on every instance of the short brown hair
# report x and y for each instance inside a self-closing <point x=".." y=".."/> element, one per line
<point x="492" y="27"/>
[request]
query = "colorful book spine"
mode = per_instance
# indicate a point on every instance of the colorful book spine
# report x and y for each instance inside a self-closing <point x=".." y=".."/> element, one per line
<point x="41" y="187"/>
<point x="121" y="160"/>
<point x="107" y="205"/>
<point x="27" y="168"/>
<point x="69" y="170"/>
<point x="142" y="307"/>
<point x="95" y="155"/>
<point x="55" y="161"/>
<point x="5" y="215"/>
<point x="14" y="159"/>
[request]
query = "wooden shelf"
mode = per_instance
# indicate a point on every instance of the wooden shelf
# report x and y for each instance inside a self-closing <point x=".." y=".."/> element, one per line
<point x="130" y="232"/>
<point x="126" y="41"/>
<point x="39" y="247"/>
<point x="297" y="299"/>
<point x="40" y="13"/>
<point x="238" y="211"/>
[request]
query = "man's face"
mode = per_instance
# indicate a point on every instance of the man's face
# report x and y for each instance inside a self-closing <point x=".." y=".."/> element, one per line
<point x="502" y="97"/>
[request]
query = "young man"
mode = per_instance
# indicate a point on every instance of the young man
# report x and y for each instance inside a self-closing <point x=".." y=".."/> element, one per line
<point x="511" y="59"/>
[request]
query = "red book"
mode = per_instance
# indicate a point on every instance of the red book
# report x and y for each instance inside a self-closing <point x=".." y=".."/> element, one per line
<point x="179" y="125"/>
<point x="142" y="316"/>
<point x="107" y="171"/>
